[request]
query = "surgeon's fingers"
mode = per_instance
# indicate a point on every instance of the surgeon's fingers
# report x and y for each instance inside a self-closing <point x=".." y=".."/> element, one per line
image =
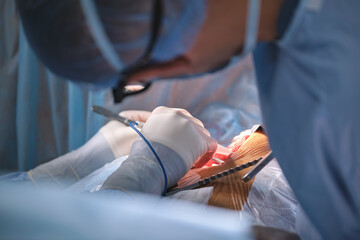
<point x="211" y="149"/>
<point x="193" y="120"/>
<point x="182" y="112"/>
<point x="162" y="109"/>
<point x="141" y="116"/>
<point x="185" y="113"/>
<point x="198" y="125"/>
<point x="202" y="129"/>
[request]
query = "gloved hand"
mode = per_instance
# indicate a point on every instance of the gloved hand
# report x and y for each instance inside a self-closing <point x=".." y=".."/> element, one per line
<point x="120" y="137"/>
<point x="178" y="130"/>
<point x="179" y="139"/>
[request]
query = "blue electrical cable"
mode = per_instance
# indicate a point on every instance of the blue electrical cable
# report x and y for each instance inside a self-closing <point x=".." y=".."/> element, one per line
<point x="131" y="124"/>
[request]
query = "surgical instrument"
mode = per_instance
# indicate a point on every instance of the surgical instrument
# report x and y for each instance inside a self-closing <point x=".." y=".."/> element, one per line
<point x="258" y="167"/>
<point x="111" y="115"/>
<point x="213" y="178"/>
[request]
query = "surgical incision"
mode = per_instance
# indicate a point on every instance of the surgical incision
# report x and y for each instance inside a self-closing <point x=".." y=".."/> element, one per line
<point x="230" y="191"/>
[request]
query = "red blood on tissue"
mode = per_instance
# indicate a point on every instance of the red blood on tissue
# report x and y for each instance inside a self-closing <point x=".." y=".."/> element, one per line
<point x="223" y="153"/>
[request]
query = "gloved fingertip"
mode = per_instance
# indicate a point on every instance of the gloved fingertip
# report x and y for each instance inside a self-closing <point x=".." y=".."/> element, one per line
<point x="136" y="115"/>
<point x="223" y="150"/>
<point x="204" y="159"/>
<point x="212" y="145"/>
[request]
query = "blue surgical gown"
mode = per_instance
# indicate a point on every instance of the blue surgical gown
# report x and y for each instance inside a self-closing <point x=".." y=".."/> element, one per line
<point x="309" y="93"/>
<point x="43" y="116"/>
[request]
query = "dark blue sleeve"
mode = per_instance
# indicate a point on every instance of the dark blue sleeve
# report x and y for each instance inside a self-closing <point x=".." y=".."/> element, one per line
<point x="285" y="15"/>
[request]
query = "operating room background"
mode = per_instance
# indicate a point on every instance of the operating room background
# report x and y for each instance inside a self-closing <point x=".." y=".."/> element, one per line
<point x="44" y="116"/>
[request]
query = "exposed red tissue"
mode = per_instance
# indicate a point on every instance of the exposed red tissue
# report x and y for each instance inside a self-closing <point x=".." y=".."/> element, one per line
<point x="224" y="153"/>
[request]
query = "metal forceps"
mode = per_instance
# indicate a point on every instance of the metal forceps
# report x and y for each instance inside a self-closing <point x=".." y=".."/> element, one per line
<point x="111" y="115"/>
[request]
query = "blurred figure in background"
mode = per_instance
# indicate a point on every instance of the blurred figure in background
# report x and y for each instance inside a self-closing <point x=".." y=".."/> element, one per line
<point x="46" y="116"/>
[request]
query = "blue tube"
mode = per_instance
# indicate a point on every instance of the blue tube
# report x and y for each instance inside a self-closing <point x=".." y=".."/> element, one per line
<point x="131" y="124"/>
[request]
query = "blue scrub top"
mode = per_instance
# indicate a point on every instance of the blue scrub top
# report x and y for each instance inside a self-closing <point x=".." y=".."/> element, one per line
<point x="309" y="93"/>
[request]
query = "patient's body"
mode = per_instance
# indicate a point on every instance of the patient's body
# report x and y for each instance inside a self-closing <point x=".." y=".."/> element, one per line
<point x="230" y="191"/>
<point x="267" y="198"/>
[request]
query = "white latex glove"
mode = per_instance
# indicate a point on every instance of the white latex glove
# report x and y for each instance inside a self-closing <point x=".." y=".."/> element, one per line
<point x="120" y="137"/>
<point x="177" y="129"/>
<point x="178" y="138"/>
